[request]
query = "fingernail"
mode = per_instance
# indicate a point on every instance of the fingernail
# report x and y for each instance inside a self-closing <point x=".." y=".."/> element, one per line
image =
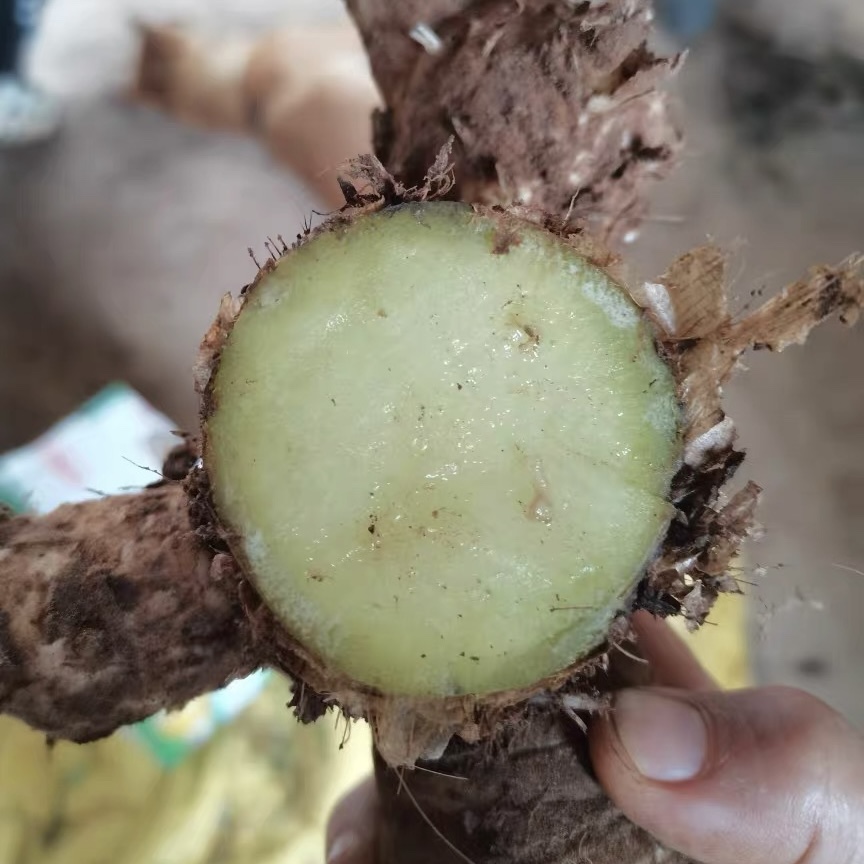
<point x="665" y="737"/>
<point x="344" y="849"/>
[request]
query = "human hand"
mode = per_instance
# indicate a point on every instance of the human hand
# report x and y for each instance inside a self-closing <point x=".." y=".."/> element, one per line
<point x="351" y="829"/>
<point x="766" y="776"/>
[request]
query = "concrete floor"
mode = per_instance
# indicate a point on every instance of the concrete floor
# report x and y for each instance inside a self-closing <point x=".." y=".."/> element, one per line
<point x="117" y="240"/>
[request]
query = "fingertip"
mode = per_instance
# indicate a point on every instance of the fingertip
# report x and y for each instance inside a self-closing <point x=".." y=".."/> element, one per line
<point x="351" y="827"/>
<point x="672" y="662"/>
<point x="349" y="848"/>
<point x="754" y="775"/>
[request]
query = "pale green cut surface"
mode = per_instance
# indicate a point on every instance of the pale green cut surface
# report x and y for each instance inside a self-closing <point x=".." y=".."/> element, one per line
<point x="449" y="466"/>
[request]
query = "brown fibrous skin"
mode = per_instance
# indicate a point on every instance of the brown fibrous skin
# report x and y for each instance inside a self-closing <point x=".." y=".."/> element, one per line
<point x="526" y="795"/>
<point x="112" y="610"/>
<point x="552" y="104"/>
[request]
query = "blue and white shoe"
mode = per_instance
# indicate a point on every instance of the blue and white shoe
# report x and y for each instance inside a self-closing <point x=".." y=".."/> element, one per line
<point x="26" y="115"/>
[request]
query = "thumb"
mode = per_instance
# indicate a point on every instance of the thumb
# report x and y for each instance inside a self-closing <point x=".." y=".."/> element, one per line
<point x="770" y="776"/>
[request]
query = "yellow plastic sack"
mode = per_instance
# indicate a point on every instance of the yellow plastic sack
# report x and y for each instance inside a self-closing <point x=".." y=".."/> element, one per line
<point x="721" y="643"/>
<point x="258" y="792"/>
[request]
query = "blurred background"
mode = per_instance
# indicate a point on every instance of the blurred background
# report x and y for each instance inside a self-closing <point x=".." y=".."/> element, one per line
<point x="121" y="226"/>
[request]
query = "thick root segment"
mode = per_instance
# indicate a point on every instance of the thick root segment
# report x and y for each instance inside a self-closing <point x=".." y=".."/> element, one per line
<point x="526" y="796"/>
<point x="553" y="104"/>
<point x="111" y="610"/>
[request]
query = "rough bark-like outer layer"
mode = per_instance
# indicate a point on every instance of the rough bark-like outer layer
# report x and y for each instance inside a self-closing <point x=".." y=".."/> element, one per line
<point x="112" y="610"/>
<point x="552" y="103"/>
<point x="525" y="797"/>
